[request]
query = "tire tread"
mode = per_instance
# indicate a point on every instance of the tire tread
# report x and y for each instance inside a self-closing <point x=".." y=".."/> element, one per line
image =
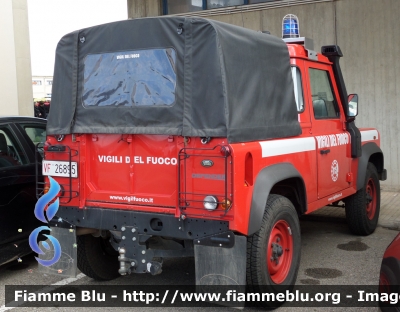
<point x="355" y="206"/>
<point x="93" y="262"/>
<point x="254" y="263"/>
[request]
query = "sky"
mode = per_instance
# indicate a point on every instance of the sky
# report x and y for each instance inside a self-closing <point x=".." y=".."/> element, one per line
<point x="49" y="20"/>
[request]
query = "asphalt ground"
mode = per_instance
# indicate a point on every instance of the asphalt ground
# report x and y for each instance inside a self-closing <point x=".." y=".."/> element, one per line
<point x="331" y="255"/>
<point x="389" y="216"/>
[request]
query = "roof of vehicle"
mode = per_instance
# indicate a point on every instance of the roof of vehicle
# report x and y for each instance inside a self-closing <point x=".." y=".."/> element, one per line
<point x="229" y="81"/>
<point x="21" y="119"/>
<point x="298" y="51"/>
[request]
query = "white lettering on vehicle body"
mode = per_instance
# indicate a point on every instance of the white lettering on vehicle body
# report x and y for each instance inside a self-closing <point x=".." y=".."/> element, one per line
<point x="331" y="140"/>
<point x="149" y="160"/>
<point x="305" y="144"/>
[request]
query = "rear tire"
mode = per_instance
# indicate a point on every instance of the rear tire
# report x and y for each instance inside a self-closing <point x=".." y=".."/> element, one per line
<point x="362" y="208"/>
<point x="273" y="253"/>
<point x="97" y="258"/>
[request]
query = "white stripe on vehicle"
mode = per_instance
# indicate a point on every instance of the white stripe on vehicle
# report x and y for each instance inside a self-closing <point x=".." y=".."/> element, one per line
<point x="288" y="146"/>
<point x="369" y="135"/>
<point x="291" y="146"/>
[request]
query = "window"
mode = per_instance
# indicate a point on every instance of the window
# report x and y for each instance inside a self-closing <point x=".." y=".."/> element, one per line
<point x="10" y="152"/>
<point x="37" y="82"/>
<point x="215" y="4"/>
<point x="182" y="6"/>
<point x="35" y="133"/>
<point x="298" y="89"/>
<point x="324" y="102"/>
<point x="130" y="78"/>
<point x="49" y="82"/>
<point x="259" y="1"/>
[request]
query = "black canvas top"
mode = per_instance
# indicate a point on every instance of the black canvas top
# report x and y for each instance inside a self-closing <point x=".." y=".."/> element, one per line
<point x="176" y="76"/>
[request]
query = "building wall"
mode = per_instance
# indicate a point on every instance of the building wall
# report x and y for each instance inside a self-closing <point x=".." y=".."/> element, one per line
<point x="144" y="8"/>
<point x="367" y="32"/>
<point x="42" y="86"/>
<point x="371" y="69"/>
<point x="15" y="63"/>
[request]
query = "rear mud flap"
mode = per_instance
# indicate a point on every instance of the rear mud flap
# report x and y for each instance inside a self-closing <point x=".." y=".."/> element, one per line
<point x="221" y="266"/>
<point x="66" y="266"/>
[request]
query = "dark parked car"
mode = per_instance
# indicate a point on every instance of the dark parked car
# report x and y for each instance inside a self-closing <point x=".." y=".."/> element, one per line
<point x="18" y="137"/>
<point x="389" y="279"/>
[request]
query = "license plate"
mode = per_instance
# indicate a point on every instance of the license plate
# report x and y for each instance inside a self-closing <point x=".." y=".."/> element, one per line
<point x="59" y="168"/>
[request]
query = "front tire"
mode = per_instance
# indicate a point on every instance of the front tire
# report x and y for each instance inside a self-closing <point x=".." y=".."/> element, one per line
<point x="362" y="208"/>
<point x="97" y="258"/>
<point x="389" y="282"/>
<point x="273" y="253"/>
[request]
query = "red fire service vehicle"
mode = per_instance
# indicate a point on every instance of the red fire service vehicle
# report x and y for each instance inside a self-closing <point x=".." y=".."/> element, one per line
<point x="182" y="137"/>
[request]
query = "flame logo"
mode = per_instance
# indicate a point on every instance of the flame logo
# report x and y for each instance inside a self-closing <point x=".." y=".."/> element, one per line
<point x="45" y="200"/>
<point x="51" y="211"/>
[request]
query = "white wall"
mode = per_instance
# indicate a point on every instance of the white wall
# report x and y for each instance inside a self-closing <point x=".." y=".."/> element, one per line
<point x="15" y="63"/>
<point x="42" y="89"/>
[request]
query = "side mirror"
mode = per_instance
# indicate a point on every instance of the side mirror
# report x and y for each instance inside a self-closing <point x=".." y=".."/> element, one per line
<point x="353" y="105"/>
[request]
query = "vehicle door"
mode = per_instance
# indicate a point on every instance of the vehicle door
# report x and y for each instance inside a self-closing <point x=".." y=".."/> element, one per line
<point x="17" y="186"/>
<point x="33" y="133"/>
<point x="306" y="166"/>
<point x="332" y="139"/>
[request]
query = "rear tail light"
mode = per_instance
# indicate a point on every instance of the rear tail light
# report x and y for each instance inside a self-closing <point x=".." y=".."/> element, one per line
<point x="46" y="189"/>
<point x="210" y="202"/>
<point x="59" y="194"/>
<point x="226" y="204"/>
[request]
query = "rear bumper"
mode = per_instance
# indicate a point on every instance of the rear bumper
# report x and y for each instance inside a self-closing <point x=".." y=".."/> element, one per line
<point x="138" y="251"/>
<point x="155" y="224"/>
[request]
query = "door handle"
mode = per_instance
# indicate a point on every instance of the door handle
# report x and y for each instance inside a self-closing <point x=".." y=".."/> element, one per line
<point x="325" y="151"/>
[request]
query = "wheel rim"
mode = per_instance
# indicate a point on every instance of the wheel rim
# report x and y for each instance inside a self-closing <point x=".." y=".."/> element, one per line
<point x="371" y="199"/>
<point x="279" y="252"/>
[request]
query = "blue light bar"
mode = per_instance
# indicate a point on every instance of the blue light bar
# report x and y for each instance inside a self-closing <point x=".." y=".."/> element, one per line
<point x="290" y="26"/>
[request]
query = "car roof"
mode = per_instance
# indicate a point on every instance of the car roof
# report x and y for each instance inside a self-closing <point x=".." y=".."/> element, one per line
<point x="21" y="119"/>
